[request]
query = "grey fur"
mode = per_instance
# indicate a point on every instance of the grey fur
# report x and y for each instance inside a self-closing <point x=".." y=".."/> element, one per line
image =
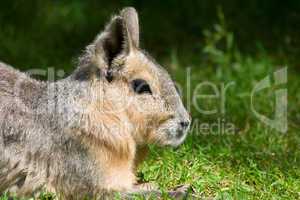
<point x="43" y="127"/>
<point x="35" y="150"/>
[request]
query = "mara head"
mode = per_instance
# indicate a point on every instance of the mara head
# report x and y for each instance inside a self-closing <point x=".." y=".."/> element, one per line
<point x="129" y="87"/>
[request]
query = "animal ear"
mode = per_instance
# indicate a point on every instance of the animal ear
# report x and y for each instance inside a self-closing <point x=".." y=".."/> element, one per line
<point x="121" y="35"/>
<point x="131" y="25"/>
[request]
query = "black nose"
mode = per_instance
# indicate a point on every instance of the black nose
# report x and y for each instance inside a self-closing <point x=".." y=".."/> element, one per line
<point x="184" y="124"/>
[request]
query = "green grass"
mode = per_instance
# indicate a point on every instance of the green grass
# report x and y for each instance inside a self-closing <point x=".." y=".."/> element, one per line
<point x="253" y="162"/>
<point x="256" y="162"/>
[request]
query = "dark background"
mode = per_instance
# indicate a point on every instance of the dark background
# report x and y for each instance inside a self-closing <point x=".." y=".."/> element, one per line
<point x="53" y="32"/>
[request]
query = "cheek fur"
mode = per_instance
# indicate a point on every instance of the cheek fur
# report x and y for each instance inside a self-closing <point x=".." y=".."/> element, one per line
<point x="147" y="119"/>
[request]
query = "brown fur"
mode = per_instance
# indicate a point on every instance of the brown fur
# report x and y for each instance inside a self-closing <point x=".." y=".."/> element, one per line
<point x="87" y="135"/>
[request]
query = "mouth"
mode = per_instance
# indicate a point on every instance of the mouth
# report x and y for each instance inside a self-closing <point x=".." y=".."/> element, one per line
<point x="171" y="134"/>
<point x="180" y="134"/>
<point x="175" y="137"/>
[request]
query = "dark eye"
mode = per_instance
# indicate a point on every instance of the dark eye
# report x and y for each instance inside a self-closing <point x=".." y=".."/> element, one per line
<point x="140" y="86"/>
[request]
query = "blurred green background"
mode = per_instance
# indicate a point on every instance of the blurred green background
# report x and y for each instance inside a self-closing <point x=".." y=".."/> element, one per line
<point x="51" y="32"/>
<point x="221" y="42"/>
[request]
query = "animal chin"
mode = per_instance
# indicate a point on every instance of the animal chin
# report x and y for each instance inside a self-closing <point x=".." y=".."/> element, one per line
<point x="173" y="138"/>
<point x="177" y="141"/>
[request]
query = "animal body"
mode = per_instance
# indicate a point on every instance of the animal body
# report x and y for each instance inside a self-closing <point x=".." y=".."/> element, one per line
<point x="84" y="135"/>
